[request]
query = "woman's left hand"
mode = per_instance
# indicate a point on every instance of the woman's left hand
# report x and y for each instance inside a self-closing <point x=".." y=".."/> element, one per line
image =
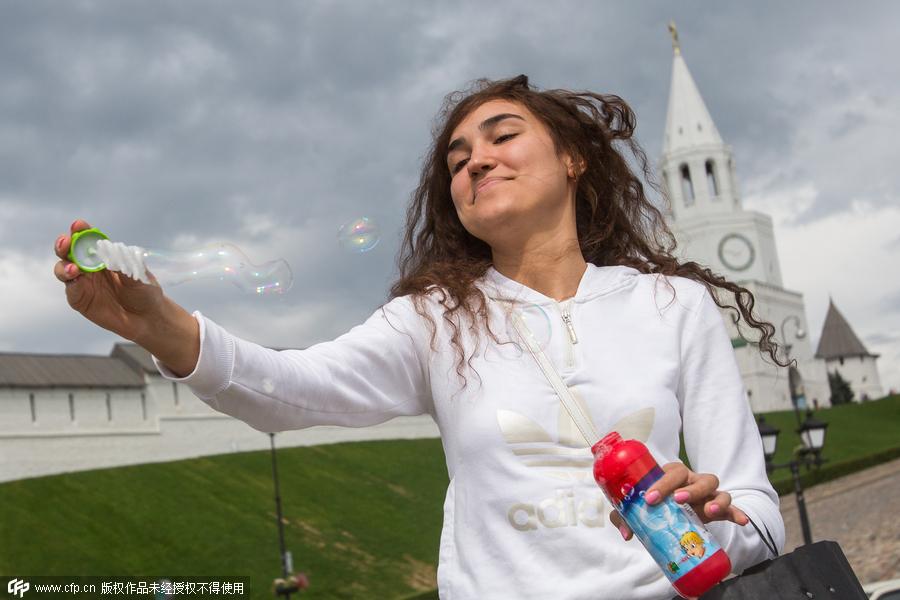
<point x="700" y="490"/>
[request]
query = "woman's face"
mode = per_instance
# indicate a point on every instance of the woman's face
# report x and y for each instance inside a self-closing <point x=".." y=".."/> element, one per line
<point x="508" y="183"/>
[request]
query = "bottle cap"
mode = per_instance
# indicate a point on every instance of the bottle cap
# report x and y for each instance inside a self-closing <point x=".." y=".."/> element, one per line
<point x="83" y="249"/>
<point x="601" y="448"/>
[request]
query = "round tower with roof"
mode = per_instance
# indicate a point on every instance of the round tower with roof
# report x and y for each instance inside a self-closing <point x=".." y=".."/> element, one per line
<point x="844" y="353"/>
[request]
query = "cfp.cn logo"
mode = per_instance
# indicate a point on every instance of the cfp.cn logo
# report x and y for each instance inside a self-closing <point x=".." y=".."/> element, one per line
<point x="17" y="587"/>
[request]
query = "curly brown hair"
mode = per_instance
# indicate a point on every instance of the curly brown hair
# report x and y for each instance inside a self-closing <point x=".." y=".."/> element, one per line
<point x="616" y="223"/>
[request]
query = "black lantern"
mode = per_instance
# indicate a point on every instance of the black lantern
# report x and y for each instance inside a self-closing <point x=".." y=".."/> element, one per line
<point x="769" y="437"/>
<point x="812" y="433"/>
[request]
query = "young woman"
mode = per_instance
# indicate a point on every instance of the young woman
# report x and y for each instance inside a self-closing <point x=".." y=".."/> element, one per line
<point x="526" y="206"/>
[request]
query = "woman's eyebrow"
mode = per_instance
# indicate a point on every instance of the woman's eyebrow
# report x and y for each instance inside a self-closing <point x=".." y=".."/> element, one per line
<point x="486" y="124"/>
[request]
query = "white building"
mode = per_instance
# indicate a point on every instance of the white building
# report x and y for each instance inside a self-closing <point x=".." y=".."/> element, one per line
<point x="843" y="352"/>
<point x="61" y="413"/>
<point x="713" y="229"/>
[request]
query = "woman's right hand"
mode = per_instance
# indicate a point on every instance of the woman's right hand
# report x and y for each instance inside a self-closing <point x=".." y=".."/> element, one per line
<point x="111" y="300"/>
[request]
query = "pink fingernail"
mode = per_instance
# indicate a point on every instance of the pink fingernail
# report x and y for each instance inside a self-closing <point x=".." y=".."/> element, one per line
<point x="71" y="270"/>
<point x="652" y="497"/>
<point x="59" y="242"/>
<point x="713" y="509"/>
<point x="681" y="497"/>
<point x="624" y="531"/>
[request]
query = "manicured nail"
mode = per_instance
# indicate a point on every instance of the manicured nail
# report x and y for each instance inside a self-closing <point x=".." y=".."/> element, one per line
<point x="72" y="226"/>
<point x="59" y="242"/>
<point x="713" y="509"/>
<point x="71" y="270"/>
<point x="652" y="497"/>
<point x="624" y="531"/>
<point x="681" y="497"/>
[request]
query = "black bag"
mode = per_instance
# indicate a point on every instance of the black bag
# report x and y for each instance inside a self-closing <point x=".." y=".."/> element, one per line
<point x="816" y="571"/>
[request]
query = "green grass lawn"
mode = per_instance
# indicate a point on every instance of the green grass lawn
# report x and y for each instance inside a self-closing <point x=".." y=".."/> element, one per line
<point x="362" y="519"/>
<point x="858" y="435"/>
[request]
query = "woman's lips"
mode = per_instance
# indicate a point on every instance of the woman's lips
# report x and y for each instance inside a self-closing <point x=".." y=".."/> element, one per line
<point x="487" y="183"/>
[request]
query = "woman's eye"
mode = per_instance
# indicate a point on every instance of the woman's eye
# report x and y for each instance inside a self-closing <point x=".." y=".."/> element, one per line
<point x="459" y="165"/>
<point x="504" y="138"/>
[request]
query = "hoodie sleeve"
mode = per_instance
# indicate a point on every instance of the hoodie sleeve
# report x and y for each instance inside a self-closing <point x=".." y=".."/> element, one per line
<point x="721" y="436"/>
<point x="367" y="376"/>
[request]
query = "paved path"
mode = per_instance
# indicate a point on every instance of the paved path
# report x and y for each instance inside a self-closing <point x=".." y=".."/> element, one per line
<point x="861" y="512"/>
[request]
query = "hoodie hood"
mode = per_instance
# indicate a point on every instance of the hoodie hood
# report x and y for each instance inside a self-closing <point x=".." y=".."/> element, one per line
<point x="596" y="281"/>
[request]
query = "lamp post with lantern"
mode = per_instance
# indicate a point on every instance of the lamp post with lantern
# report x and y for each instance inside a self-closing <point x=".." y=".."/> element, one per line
<point x="290" y="582"/>
<point x="812" y="434"/>
<point x="795" y="381"/>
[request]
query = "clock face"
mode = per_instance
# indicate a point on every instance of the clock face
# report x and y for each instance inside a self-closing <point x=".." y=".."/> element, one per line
<point x="736" y="252"/>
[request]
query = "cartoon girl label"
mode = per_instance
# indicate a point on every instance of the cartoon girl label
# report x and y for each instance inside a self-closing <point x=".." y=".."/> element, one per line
<point x="693" y="544"/>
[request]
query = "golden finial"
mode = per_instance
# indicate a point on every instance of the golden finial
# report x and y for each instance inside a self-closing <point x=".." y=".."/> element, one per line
<point x="674" y="31"/>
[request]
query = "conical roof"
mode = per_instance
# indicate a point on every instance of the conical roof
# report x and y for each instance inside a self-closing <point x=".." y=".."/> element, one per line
<point x="838" y="339"/>
<point x="688" y="122"/>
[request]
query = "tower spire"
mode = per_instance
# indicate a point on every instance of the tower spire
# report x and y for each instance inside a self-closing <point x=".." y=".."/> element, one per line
<point x="688" y="122"/>
<point x="697" y="165"/>
<point x="676" y="47"/>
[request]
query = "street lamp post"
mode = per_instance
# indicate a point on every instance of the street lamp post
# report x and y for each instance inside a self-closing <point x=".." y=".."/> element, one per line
<point x="289" y="583"/>
<point x="285" y="556"/>
<point x="812" y="434"/>
<point x="795" y="381"/>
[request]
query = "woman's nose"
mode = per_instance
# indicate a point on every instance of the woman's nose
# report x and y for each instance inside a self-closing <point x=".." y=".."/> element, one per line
<point x="480" y="161"/>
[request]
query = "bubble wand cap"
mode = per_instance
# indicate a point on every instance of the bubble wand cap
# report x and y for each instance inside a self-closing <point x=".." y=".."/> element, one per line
<point x="83" y="250"/>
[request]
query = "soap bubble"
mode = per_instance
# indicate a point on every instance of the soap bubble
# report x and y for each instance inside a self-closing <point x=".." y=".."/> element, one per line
<point x="359" y="235"/>
<point x="225" y="262"/>
<point x="538" y="321"/>
<point x="93" y="251"/>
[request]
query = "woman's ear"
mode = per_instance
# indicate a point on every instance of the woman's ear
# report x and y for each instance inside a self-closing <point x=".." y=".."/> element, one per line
<point x="575" y="168"/>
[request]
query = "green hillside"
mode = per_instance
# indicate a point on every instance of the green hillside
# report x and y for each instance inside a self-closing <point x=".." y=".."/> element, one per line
<point x="362" y="519"/>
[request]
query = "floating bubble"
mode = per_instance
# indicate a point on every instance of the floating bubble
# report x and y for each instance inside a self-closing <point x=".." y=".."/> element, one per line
<point x="359" y="235"/>
<point x="538" y="320"/>
<point x="223" y="261"/>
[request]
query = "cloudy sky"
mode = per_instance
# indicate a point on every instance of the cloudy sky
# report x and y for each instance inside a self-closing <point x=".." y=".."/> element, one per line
<point x="174" y="124"/>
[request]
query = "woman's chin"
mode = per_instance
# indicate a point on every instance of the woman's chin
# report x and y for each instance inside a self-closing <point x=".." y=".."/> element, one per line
<point x="490" y="221"/>
<point x="495" y="207"/>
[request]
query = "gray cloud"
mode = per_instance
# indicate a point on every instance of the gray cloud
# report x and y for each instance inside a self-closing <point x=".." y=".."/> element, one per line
<point x="271" y="125"/>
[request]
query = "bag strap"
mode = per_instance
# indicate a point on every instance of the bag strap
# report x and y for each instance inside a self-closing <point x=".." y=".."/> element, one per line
<point x="772" y="548"/>
<point x="581" y="420"/>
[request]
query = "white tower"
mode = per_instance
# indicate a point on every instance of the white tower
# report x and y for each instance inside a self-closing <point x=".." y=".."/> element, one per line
<point x="843" y="352"/>
<point x="713" y="229"/>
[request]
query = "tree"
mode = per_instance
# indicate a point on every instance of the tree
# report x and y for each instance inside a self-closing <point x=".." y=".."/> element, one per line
<point x="840" y="389"/>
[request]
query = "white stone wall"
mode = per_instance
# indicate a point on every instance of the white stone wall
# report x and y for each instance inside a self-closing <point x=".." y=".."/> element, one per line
<point x="42" y="411"/>
<point x="861" y="372"/>
<point x="52" y="442"/>
<point x="815" y="374"/>
<point x="768" y="387"/>
<point x="766" y="382"/>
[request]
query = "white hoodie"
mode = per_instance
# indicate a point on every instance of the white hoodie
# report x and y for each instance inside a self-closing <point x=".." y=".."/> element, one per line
<point x="523" y="517"/>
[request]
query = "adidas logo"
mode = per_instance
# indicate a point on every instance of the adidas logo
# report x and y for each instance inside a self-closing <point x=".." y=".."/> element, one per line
<point x="567" y="457"/>
<point x="560" y="510"/>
